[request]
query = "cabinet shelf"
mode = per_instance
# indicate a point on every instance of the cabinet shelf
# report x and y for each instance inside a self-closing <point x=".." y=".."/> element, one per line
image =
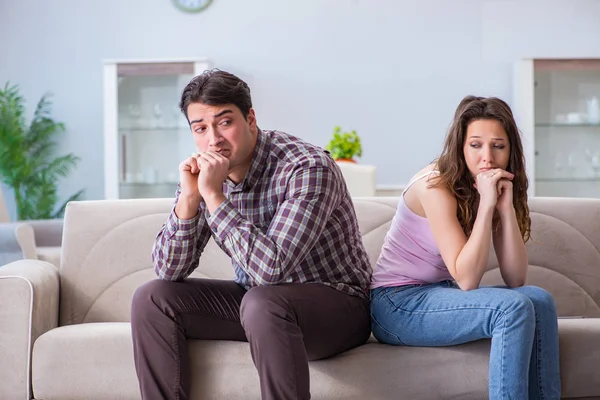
<point x="145" y="134"/>
<point x="557" y="110"/>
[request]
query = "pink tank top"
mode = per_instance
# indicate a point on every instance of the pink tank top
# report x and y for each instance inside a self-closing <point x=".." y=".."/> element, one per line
<point x="409" y="254"/>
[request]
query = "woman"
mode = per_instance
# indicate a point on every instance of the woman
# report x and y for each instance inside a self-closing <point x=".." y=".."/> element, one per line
<point x="425" y="289"/>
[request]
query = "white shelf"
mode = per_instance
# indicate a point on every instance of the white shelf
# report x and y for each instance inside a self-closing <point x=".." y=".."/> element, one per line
<point x="145" y="134"/>
<point x="560" y="156"/>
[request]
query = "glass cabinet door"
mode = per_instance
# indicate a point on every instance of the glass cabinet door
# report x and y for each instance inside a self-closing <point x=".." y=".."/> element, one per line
<point x="146" y="135"/>
<point x="567" y="127"/>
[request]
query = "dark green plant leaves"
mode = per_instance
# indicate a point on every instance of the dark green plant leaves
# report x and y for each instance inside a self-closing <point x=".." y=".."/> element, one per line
<point x="28" y="161"/>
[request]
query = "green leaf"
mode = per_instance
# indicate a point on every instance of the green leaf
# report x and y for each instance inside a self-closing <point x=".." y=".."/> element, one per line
<point x="344" y="144"/>
<point x="28" y="160"/>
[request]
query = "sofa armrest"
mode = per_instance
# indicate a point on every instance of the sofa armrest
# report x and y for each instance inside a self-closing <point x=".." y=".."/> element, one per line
<point x="16" y="242"/>
<point x="29" y="302"/>
<point x="48" y="232"/>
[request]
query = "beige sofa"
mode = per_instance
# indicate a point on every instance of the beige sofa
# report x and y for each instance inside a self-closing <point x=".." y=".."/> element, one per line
<point x="65" y="333"/>
<point x="31" y="239"/>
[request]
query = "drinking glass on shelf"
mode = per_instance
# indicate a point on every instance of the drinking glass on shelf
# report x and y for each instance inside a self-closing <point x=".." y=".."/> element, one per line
<point x="572" y="162"/>
<point x="134" y="114"/>
<point x="559" y="162"/>
<point x="158" y="115"/>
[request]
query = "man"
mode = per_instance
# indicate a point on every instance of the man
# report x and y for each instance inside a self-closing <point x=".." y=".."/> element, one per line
<point x="279" y="207"/>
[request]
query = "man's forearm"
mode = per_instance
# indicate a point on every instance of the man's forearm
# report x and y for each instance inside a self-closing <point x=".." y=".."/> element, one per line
<point x="187" y="206"/>
<point x="179" y="244"/>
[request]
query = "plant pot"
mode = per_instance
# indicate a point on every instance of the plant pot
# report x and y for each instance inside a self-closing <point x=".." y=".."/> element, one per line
<point x="350" y="160"/>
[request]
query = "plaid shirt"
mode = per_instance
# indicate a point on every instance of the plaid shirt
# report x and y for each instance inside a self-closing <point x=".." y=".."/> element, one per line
<point x="290" y="220"/>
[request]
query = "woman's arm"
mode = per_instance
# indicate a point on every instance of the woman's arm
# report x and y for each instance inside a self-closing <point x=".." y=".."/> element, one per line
<point x="508" y="242"/>
<point x="465" y="258"/>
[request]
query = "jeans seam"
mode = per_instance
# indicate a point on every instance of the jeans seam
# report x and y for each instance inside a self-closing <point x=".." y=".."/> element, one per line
<point x="451" y="309"/>
<point x="503" y="364"/>
<point x="178" y="371"/>
<point x="538" y="348"/>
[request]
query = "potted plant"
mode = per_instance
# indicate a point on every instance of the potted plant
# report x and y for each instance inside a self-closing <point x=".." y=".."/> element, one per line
<point x="344" y="146"/>
<point x="27" y="156"/>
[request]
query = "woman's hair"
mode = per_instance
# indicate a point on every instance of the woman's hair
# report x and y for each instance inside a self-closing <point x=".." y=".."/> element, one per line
<point x="454" y="173"/>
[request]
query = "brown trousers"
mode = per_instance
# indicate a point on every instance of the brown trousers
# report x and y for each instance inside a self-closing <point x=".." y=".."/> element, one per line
<point x="286" y="325"/>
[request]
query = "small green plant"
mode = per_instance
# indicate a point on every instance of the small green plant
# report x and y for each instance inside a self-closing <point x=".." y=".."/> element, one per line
<point x="27" y="156"/>
<point x="344" y="145"/>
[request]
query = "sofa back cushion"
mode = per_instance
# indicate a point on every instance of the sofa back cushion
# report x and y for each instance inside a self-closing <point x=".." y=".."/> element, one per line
<point x="107" y="246"/>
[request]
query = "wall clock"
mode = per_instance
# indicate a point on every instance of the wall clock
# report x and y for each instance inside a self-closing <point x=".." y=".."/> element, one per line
<point x="191" y="6"/>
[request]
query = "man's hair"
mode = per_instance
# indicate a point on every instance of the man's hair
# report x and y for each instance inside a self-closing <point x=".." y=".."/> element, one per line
<point x="215" y="87"/>
<point x="455" y="175"/>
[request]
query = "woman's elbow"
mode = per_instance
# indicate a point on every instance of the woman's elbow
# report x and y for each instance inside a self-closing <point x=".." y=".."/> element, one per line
<point x="467" y="287"/>
<point x="515" y="279"/>
<point x="515" y="283"/>
<point x="467" y="284"/>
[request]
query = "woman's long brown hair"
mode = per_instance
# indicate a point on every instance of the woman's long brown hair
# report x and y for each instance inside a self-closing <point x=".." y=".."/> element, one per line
<point x="455" y="176"/>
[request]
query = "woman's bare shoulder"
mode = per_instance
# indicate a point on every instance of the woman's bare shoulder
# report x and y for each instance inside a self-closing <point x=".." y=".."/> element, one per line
<point x="422" y="187"/>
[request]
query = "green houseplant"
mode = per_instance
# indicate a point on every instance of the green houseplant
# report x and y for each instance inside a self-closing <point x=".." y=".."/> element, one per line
<point x="344" y="146"/>
<point x="28" y="163"/>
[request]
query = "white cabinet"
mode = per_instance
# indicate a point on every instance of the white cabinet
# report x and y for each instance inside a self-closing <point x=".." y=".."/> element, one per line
<point x="145" y="134"/>
<point x="557" y="107"/>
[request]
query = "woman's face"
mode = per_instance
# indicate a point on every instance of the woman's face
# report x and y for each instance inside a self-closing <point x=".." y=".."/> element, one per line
<point x="486" y="146"/>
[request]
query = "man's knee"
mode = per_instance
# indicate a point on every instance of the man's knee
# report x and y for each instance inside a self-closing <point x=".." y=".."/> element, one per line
<point x="262" y="307"/>
<point x="149" y="296"/>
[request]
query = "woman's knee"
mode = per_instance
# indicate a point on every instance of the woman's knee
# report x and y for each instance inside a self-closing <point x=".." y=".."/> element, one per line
<point x="514" y="301"/>
<point x="538" y="296"/>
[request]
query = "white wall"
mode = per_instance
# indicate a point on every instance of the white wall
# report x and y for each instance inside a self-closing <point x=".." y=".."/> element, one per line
<point x="393" y="70"/>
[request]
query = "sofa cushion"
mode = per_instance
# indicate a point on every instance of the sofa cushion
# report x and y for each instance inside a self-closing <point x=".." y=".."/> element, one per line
<point x="95" y="361"/>
<point x="50" y="254"/>
<point x="94" y="290"/>
<point x="99" y="272"/>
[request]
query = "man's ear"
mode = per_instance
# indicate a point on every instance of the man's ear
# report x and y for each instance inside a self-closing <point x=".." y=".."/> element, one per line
<point x="251" y="118"/>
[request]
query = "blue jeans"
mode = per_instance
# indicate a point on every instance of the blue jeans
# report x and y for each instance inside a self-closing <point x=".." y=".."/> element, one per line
<point x="521" y="322"/>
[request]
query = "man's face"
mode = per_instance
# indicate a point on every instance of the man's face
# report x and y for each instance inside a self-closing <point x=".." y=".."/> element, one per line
<point x="223" y="129"/>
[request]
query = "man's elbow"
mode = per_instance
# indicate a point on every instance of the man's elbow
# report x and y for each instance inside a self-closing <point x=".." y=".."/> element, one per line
<point x="164" y="275"/>
<point x="170" y="278"/>
<point x="271" y="280"/>
<point x="274" y="277"/>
